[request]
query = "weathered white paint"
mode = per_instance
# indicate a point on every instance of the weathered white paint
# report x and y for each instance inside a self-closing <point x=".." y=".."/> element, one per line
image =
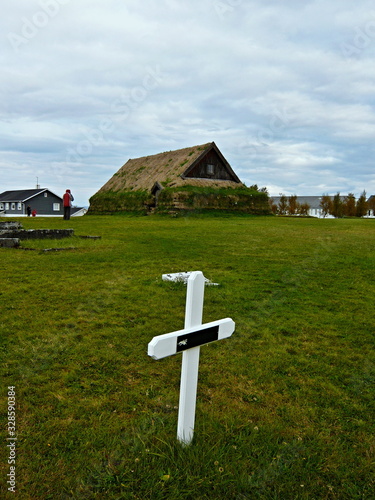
<point x="190" y="360"/>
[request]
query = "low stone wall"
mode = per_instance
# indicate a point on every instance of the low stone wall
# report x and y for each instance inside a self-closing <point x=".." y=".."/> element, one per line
<point x="37" y="234"/>
<point x="9" y="242"/>
<point x="9" y="225"/>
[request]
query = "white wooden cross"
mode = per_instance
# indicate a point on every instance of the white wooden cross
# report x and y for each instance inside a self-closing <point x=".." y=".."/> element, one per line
<point x="188" y="341"/>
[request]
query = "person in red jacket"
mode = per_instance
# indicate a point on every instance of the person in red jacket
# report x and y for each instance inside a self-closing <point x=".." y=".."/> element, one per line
<point x="67" y="202"/>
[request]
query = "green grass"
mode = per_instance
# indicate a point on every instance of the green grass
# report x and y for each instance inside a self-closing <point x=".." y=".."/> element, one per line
<point x="285" y="407"/>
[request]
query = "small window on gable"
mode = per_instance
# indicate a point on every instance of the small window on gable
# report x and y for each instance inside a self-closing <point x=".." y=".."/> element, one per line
<point x="210" y="169"/>
<point x="45" y="194"/>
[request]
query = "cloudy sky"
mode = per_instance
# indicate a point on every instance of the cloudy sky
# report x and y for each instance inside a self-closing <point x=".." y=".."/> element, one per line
<point x="286" y="89"/>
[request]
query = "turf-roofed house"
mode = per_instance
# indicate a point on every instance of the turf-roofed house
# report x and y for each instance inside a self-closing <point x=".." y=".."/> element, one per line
<point x="196" y="178"/>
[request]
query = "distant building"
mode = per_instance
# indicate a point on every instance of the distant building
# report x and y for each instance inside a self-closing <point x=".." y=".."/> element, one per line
<point x="46" y="203"/>
<point x="371" y="206"/>
<point x="315" y="210"/>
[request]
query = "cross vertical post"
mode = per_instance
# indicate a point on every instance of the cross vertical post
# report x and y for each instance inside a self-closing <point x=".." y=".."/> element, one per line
<point x="190" y="360"/>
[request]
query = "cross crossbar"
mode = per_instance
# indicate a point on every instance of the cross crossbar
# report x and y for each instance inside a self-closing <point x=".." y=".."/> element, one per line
<point x="172" y="343"/>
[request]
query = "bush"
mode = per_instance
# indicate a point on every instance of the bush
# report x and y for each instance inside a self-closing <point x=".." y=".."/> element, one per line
<point x="207" y="198"/>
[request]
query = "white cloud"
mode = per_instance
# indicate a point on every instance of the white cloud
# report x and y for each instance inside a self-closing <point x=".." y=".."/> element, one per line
<point x="286" y="91"/>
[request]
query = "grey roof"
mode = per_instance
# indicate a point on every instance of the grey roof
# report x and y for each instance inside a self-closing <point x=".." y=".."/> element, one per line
<point x="76" y="210"/>
<point x="20" y="195"/>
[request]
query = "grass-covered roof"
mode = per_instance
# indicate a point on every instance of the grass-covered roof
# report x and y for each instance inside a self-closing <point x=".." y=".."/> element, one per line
<point x="169" y="169"/>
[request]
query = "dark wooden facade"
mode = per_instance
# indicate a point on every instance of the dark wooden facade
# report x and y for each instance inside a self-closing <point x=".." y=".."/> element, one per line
<point x="211" y="165"/>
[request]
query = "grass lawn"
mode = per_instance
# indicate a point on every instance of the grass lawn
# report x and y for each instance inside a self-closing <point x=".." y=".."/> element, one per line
<point x="285" y="407"/>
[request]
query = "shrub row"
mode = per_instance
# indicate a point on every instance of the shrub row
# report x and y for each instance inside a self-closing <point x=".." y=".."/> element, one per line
<point x="182" y="198"/>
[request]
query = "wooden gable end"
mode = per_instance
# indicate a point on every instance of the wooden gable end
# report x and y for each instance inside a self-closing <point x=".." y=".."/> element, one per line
<point x="211" y="165"/>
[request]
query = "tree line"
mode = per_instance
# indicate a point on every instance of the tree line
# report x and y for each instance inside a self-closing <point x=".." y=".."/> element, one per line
<point x="336" y="206"/>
